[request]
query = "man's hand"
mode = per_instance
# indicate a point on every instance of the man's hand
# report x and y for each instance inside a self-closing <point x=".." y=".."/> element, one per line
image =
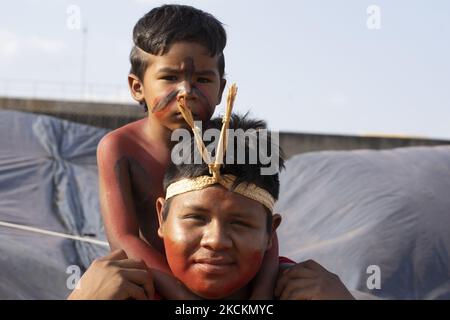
<point x="115" y="277"/>
<point x="310" y="281"/>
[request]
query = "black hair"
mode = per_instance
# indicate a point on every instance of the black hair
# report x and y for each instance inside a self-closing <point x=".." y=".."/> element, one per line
<point x="247" y="172"/>
<point x="161" y="27"/>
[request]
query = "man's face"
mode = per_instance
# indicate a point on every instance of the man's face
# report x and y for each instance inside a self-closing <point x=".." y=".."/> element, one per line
<point x="186" y="67"/>
<point x="214" y="239"/>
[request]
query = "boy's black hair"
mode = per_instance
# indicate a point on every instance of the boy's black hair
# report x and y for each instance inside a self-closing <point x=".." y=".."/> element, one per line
<point x="161" y="27"/>
<point x="245" y="173"/>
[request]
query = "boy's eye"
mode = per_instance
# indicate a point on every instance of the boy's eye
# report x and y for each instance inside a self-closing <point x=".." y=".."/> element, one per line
<point x="169" y="78"/>
<point x="195" y="217"/>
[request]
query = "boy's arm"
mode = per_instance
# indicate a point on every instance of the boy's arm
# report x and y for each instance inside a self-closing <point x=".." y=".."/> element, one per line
<point x="119" y="218"/>
<point x="264" y="283"/>
<point x="117" y="207"/>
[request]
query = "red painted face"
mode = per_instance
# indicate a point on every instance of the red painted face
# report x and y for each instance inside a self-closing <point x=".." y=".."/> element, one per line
<point x="165" y="105"/>
<point x="215" y="240"/>
<point x="186" y="67"/>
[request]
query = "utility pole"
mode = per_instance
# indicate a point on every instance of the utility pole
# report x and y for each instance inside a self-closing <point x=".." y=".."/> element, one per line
<point x="84" y="62"/>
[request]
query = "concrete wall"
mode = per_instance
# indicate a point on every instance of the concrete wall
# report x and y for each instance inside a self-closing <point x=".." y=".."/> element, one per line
<point x="293" y="143"/>
<point x="115" y="115"/>
<point x="96" y="114"/>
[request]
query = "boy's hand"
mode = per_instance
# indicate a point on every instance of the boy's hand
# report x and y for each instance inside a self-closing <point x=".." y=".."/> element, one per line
<point x="310" y="281"/>
<point x="115" y="277"/>
<point x="171" y="288"/>
<point x="264" y="282"/>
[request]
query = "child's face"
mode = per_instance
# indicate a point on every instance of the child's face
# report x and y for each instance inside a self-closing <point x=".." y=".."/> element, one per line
<point x="186" y="67"/>
<point x="215" y="240"/>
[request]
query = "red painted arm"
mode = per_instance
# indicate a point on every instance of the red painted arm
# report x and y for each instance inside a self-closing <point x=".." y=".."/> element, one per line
<point x="264" y="283"/>
<point x="120" y="221"/>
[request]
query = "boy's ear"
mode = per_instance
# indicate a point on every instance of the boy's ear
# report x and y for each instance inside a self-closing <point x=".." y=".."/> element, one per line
<point x="159" y="210"/>
<point x="136" y="87"/>
<point x="223" y="83"/>
<point x="276" y="220"/>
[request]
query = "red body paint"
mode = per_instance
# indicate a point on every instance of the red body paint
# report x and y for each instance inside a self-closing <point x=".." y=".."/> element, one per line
<point x="213" y="281"/>
<point x="214" y="253"/>
<point x="166" y="104"/>
<point x="162" y="104"/>
<point x="137" y="157"/>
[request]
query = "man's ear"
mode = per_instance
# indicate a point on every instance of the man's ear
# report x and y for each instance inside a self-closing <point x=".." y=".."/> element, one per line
<point x="276" y="220"/>
<point x="160" y="202"/>
<point x="223" y="83"/>
<point x="136" y="87"/>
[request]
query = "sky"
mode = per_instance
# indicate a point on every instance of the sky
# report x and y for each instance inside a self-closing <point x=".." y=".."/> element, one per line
<point x="318" y="66"/>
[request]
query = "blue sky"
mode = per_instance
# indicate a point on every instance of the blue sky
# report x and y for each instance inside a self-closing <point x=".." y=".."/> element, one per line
<point x="304" y="66"/>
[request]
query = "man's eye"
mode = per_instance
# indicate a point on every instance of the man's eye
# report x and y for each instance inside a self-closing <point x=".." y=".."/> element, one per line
<point x="169" y="78"/>
<point x="203" y="80"/>
<point x="240" y="223"/>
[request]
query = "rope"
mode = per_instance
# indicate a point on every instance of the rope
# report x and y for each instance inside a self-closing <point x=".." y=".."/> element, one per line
<point x="54" y="234"/>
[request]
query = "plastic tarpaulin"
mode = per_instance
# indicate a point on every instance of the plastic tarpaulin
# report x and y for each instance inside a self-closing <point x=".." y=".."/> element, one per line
<point x="364" y="214"/>
<point x="48" y="181"/>
<point x="347" y="210"/>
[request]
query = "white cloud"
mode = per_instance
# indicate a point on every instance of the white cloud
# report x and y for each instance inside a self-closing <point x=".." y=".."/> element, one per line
<point x="45" y="45"/>
<point x="9" y="43"/>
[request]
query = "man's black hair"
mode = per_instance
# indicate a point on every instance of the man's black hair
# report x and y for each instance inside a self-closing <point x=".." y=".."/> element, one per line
<point x="161" y="27"/>
<point x="246" y="173"/>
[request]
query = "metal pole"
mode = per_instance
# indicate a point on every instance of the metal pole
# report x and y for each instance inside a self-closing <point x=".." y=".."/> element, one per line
<point x="84" y="62"/>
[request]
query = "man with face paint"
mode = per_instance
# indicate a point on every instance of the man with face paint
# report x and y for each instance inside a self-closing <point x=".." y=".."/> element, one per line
<point x="217" y="224"/>
<point x="178" y="50"/>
